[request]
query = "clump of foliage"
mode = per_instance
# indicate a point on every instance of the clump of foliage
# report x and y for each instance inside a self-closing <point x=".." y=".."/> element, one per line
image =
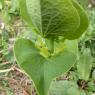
<point x="54" y="23"/>
<point x="50" y="51"/>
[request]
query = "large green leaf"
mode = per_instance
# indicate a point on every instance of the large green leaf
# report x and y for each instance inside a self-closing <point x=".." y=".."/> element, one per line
<point x="42" y="70"/>
<point x="53" y="18"/>
<point x="50" y="17"/>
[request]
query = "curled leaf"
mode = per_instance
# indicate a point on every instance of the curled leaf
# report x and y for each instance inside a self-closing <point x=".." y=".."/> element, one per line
<point x="54" y="18"/>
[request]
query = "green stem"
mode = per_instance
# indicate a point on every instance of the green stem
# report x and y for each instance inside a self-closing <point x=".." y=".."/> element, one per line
<point x="52" y="45"/>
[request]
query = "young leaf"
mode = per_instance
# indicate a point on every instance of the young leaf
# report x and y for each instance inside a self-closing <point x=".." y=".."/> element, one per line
<point x="42" y="70"/>
<point x="84" y="65"/>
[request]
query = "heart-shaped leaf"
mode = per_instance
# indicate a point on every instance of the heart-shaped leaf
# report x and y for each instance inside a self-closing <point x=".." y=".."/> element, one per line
<point x="50" y="17"/>
<point x="53" y="18"/>
<point x="42" y="70"/>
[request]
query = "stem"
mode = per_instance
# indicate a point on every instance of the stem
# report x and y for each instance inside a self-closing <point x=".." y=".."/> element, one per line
<point x="52" y="45"/>
<point x="12" y="69"/>
<point x="7" y="70"/>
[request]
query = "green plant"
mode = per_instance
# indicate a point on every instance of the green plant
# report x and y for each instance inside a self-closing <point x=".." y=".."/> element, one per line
<point x="1" y="4"/>
<point x="54" y="22"/>
<point x="65" y="88"/>
<point x="84" y="65"/>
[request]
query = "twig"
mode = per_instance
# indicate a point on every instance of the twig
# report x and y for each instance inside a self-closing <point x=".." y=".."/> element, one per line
<point x="7" y="70"/>
<point x="17" y="69"/>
